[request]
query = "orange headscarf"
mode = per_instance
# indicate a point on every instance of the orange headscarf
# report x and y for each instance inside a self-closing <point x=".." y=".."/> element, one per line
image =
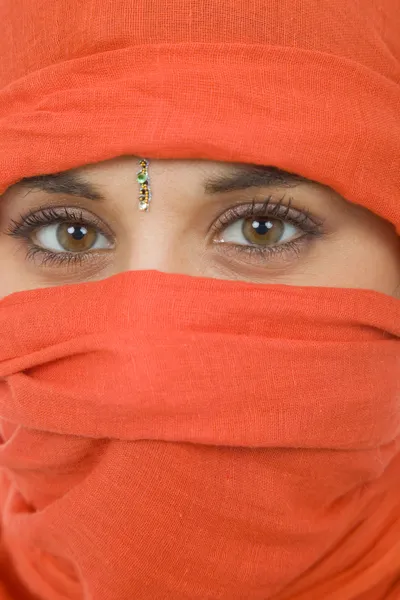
<point x="168" y="437"/>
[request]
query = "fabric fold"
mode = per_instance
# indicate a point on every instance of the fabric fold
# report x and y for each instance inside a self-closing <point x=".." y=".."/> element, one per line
<point x="283" y="113"/>
<point x="127" y="456"/>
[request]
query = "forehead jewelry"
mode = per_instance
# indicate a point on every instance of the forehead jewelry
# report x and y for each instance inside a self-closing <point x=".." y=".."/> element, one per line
<point x="143" y="179"/>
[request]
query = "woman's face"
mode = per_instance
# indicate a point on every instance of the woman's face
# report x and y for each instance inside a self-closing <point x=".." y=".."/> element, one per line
<point x="206" y="219"/>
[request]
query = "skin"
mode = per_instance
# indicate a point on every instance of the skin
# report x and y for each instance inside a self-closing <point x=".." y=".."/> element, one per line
<point x="357" y="249"/>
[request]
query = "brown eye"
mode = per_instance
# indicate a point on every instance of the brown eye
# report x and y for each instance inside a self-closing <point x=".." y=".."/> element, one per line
<point x="259" y="231"/>
<point x="76" y="238"/>
<point x="262" y="232"/>
<point x="70" y="237"/>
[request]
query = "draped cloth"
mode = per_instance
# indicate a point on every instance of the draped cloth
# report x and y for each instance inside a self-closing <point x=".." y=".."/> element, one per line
<point x="169" y="437"/>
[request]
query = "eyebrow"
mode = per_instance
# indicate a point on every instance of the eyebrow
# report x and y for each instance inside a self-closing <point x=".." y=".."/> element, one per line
<point x="242" y="176"/>
<point x="65" y="182"/>
<point x="246" y="176"/>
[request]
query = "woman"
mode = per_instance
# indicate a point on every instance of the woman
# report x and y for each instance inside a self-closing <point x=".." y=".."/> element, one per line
<point x="200" y="258"/>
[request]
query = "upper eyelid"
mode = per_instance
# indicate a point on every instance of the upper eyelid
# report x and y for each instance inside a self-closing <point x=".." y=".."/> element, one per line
<point x="52" y="214"/>
<point x="257" y="207"/>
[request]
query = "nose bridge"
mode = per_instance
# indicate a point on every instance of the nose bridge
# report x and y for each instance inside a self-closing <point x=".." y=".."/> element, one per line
<point x="158" y="238"/>
<point x="145" y="259"/>
<point x="148" y="244"/>
<point x="154" y="244"/>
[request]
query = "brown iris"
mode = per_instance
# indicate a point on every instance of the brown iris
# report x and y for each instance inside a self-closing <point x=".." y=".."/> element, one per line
<point x="262" y="232"/>
<point x="76" y="238"/>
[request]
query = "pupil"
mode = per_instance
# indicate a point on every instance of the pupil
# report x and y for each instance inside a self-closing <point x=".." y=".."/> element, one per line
<point x="261" y="227"/>
<point x="77" y="232"/>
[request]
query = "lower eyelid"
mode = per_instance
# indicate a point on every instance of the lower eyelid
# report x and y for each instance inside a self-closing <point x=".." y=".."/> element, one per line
<point x="46" y="258"/>
<point x="285" y="251"/>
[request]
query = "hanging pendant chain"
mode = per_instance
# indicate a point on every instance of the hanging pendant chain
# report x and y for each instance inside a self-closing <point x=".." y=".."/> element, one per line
<point x="143" y="179"/>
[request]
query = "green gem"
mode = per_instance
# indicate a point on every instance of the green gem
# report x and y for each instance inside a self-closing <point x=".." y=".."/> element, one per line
<point x="142" y="177"/>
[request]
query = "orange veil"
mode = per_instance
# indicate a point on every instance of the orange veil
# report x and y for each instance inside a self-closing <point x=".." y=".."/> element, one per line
<point x="168" y="437"/>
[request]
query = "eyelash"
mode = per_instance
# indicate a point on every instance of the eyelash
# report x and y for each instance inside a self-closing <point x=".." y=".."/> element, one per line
<point x="27" y="224"/>
<point x="301" y="218"/>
